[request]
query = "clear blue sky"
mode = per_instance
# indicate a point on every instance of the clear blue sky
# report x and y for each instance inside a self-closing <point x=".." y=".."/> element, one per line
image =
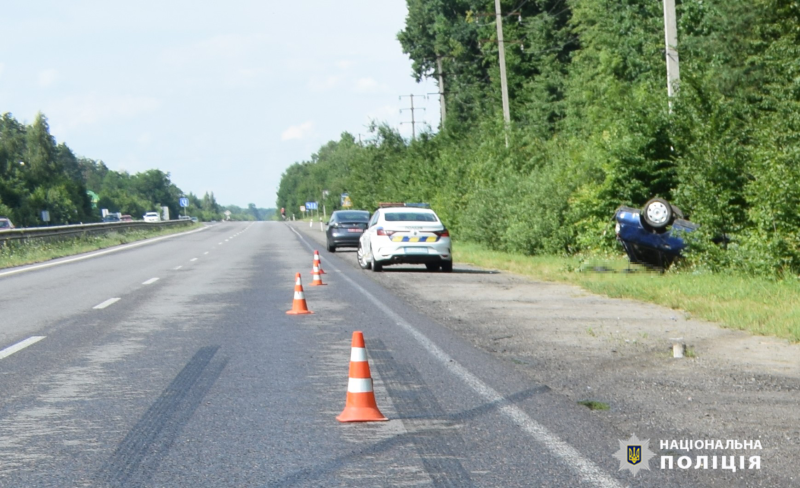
<point x="222" y="95"/>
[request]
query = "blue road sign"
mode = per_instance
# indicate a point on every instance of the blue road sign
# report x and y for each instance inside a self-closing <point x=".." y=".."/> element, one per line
<point x="311" y="205"/>
<point x="184" y="202"/>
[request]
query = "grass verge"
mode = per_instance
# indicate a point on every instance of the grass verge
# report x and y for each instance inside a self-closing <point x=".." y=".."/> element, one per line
<point x="758" y="305"/>
<point x="35" y="251"/>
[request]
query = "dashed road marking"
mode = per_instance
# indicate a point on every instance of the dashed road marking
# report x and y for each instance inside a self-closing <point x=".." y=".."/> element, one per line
<point x="150" y="281"/>
<point x="110" y="301"/>
<point x="178" y="267"/>
<point x="20" y="346"/>
<point x="205" y="253"/>
<point x="193" y="259"/>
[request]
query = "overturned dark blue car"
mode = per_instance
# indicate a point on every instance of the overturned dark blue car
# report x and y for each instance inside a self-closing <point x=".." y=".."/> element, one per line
<point x="653" y="236"/>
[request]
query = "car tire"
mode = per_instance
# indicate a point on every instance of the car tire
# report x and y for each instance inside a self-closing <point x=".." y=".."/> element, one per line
<point x="377" y="266"/>
<point x="362" y="260"/>
<point x="657" y="213"/>
<point x="432" y="266"/>
<point x="447" y="266"/>
<point x="330" y="247"/>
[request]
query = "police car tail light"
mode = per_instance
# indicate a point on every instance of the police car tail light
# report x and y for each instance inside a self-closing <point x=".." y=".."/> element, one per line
<point x="382" y="232"/>
<point x="443" y="233"/>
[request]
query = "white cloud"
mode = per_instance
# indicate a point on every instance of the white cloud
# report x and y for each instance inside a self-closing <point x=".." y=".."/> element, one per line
<point x="297" y="131"/>
<point x="369" y="85"/>
<point x="145" y="139"/>
<point x="323" y="84"/>
<point x="47" y="77"/>
<point x="227" y="46"/>
<point x="77" y="111"/>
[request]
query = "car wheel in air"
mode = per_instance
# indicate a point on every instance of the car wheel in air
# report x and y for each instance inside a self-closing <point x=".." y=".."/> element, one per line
<point x="432" y="266"/>
<point x="447" y="266"/>
<point x="362" y="259"/>
<point x="657" y="213"/>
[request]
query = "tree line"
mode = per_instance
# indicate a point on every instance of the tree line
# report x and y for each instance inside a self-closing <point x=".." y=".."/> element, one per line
<point x="38" y="174"/>
<point x="592" y="128"/>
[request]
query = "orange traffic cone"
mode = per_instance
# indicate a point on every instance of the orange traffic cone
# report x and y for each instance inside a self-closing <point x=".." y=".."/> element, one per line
<point x="360" y="405"/>
<point x="317" y="263"/>
<point x="299" y="303"/>
<point x="316" y="276"/>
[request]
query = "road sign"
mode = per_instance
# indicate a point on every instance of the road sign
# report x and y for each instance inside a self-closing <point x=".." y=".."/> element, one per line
<point x="311" y="205"/>
<point x="346" y="202"/>
<point x="184" y="202"/>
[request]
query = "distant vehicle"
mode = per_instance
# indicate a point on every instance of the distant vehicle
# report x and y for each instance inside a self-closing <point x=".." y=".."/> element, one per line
<point x="5" y="223"/>
<point x="152" y="217"/>
<point x="126" y="218"/>
<point x="111" y="218"/>
<point x="194" y="219"/>
<point x="653" y="236"/>
<point x="405" y="233"/>
<point x="345" y="228"/>
<point x="184" y="217"/>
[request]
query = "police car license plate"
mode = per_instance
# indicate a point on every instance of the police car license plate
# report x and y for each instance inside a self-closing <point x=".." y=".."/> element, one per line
<point x="416" y="250"/>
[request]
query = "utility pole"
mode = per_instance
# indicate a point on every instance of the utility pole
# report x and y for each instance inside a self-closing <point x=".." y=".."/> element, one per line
<point x="413" y="120"/>
<point x="502" y="53"/>
<point x="442" y="108"/>
<point x="671" y="39"/>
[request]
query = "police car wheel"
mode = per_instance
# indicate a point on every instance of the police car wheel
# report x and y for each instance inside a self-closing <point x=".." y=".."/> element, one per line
<point x="362" y="260"/>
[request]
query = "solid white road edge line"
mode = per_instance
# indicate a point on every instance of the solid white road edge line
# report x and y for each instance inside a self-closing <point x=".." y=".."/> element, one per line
<point x="106" y="303"/>
<point x="100" y="253"/>
<point x="150" y="281"/>
<point x="585" y="468"/>
<point x="20" y="346"/>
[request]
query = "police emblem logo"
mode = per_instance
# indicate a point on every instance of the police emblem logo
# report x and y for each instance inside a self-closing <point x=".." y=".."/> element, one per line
<point x="634" y="455"/>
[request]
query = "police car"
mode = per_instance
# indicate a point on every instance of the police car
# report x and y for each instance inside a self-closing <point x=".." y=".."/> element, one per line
<point x="405" y="233"/>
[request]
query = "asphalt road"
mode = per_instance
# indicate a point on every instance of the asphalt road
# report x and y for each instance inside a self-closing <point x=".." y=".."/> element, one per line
<point x="174" y="364"/>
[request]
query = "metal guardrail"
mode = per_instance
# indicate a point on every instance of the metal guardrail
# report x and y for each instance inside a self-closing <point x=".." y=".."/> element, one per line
<point x="65" y="231"/>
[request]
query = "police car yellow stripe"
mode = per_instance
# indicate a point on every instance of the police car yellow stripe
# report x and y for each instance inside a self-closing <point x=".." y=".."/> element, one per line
<point x="415" y="239"/>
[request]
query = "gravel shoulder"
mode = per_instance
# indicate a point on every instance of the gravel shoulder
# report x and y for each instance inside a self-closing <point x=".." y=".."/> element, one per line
<point x="587" y="347"/>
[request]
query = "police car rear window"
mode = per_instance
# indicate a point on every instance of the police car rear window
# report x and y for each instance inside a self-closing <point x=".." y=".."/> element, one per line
<point x="410" y="217"/>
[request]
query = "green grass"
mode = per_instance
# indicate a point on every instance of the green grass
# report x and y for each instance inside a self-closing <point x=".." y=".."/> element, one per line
<point x="758" y="305"/>
<point x="593" y="405"/>
<point x="35" y="251"/>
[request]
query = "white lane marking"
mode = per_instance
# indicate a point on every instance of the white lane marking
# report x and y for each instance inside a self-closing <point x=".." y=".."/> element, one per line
<point x="106" y="303"/>
<point x="100" y="253"/>
<point x="178" y="267"/>
<point x="193" y="259"/>
<point x="20" y="346"/>
<point x="219" y="243"/>
<point x="205" y="253"/>
<point x="150" y="281"/>
<point x="585" y="468"/>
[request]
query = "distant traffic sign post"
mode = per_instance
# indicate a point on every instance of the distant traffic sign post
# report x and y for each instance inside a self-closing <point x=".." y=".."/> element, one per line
<point x="184" y="202"/>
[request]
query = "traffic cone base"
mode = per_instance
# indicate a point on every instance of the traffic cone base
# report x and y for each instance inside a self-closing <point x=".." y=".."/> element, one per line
<point x="360" y="405"/>
<point x="299" y="306"/>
